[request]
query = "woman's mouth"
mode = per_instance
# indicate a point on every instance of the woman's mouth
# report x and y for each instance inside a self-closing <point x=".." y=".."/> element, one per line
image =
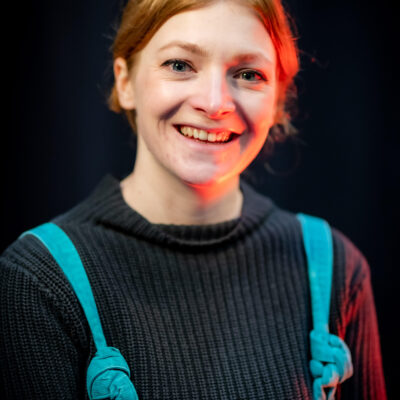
<point x="204" y="136"/>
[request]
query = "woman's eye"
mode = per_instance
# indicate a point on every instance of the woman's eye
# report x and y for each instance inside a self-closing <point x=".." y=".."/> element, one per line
<point x="177" y="65"/>
<point x="181" y="66"/>
<point x="249" y="75"/>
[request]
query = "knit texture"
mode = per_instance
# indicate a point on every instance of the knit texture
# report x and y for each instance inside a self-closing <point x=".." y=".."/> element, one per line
<point x="217" y="311"/>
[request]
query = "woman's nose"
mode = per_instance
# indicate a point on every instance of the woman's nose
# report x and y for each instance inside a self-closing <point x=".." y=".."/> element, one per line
<point x="214" y="96"/>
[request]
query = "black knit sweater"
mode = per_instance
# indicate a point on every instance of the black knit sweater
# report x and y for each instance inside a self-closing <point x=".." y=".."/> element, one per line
<point x="217" y="311"/>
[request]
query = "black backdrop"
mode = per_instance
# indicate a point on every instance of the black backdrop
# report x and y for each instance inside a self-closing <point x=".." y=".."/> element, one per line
<point x="59" y="139"/>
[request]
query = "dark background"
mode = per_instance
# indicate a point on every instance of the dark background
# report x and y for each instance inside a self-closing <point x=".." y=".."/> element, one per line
<point x="59" y="138"/>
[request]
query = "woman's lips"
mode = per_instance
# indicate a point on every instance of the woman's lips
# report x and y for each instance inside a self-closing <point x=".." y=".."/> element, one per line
<point x="216" y="130"/>
<point x="219" y="142"/>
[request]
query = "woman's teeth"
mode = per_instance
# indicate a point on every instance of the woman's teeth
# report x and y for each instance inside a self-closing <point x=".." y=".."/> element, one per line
<point x="203" y="135"/>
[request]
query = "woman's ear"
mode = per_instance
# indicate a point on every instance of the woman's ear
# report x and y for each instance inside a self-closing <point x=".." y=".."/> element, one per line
<point x="124" y="84"/>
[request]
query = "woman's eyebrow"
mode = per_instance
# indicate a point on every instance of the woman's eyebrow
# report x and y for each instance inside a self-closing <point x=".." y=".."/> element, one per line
<point x="191" y="47"/>
<point x="253" y="57"/>
<point x="196" y="49"/>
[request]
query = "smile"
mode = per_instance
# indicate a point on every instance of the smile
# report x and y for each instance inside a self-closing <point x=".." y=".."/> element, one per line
<point x="204" y="136"/>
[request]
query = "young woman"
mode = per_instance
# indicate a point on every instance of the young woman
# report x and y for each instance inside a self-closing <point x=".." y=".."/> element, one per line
<point x="200" y="281"/>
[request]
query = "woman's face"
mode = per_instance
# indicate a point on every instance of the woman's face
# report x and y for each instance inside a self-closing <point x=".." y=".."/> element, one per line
<point x="215" y="69"/>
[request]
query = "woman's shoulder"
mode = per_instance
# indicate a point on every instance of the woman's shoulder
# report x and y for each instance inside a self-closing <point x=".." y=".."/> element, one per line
<point x="351" y="272"/>
<point x="28" y="262"/>
<point x="33" y="283"/>
<point x="28" y="252"/>
<point x="27" y="269"/>
<point x="27" y="256"/>
<point x="351" y="268"/>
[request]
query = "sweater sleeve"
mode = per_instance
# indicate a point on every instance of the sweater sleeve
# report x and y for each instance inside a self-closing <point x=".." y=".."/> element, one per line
<point x="362" y="338"/>
<point x="41" y="341"/>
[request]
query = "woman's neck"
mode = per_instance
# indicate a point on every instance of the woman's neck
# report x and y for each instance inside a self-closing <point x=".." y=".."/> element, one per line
<point x="163" y="199"/>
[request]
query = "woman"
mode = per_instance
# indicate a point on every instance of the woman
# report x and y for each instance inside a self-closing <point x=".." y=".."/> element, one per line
<point x="200" y="282"/>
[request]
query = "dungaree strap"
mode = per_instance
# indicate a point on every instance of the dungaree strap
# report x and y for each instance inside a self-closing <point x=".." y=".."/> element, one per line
<point x="108" y="375"/>
<point x="331" y="359"/>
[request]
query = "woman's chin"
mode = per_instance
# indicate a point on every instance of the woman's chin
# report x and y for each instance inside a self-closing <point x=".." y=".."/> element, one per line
<point x="199" y="177"/>
<point x="205" y="179"/>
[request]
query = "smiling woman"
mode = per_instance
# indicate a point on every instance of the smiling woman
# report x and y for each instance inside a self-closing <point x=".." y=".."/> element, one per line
<point x="213" y="89"/>
<point x="201" y="283"/>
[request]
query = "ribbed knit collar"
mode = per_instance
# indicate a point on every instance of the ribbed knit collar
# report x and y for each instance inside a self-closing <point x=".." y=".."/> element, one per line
<point x="107" y="206"/>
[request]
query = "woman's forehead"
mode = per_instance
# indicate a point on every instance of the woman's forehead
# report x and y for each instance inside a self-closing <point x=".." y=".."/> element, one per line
<point x="222" y="27"/>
